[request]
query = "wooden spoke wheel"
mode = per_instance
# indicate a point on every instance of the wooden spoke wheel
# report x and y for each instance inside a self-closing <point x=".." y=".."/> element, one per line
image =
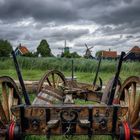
<point x="130" y="96"/>
<point x="105" y="96"/>
<point x="49" y="88"/>
<point x="53" y="79"/>
<point x="9" y="96"/>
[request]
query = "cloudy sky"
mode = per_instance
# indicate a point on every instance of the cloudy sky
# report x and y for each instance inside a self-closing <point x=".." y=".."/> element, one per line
<point x="103" y="24"/>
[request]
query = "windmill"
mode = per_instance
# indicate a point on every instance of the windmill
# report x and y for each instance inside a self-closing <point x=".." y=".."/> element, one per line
<point x="88" y="52"/>
<point x="65" y="49"/>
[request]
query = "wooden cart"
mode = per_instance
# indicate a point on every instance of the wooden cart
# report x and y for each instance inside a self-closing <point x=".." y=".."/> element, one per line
<point x="54" y="112"/>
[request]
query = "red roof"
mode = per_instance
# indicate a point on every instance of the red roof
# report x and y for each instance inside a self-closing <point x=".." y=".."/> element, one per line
<point x="23" y="49"/>
<point x="135" y="49"/>
<point x="109" y="54"/>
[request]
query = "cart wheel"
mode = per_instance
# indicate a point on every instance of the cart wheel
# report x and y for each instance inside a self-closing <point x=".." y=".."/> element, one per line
<point x="130" y="96"/>
<point x="107" y="89"/>
<point x="53" y="79"/>
<point x="9" y="96"/>
<point x="50" y="88"/>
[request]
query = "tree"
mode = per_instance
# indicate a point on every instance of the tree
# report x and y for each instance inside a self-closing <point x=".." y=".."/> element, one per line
<point x="43" y="49"/>
<point x="66" y="54"/>
<point x="75" y="55"/>
<point x="70" y="55"/>
<point x="5" y="48"/>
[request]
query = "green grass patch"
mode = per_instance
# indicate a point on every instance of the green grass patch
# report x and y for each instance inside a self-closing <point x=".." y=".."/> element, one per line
<point x="64" y="64"/>
<point x="84" y="69"/>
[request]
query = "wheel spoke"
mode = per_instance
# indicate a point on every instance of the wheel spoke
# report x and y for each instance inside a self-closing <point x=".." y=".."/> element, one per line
<point x="136" y="123"/>
<point x="2" y="114"/>
<point x="127" y="100"/>
<point x="136" y="112"/>
<point x="49" y="81"/>
<point x="131" y="85"/>
<point x="53" y="80"/>
<point x="5" y="101"/>
<point x="8" y="92"/>
<point x="132" y="97"/>
<point x="10" y="99"/>
<point x="57" y="81"/>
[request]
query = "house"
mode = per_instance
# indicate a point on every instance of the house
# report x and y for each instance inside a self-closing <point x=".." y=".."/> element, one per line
<point x="21" y="50"/>
<point x="133" y="54"/>
<point x="109" y="54"/>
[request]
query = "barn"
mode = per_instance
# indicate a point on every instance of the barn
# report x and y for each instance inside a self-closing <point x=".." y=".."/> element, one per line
<point x="133" y="54"/>
<point x="21" y="50"/>
<point x="109" y="54"/>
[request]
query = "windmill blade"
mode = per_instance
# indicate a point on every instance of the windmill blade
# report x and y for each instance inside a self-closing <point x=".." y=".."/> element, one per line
<point x="86" y="45"/>
<point x="91" y="47"/>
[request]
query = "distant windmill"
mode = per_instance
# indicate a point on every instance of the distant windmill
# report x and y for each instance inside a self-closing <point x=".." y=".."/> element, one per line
<point x="88" y="52"/>
<point x="65" y="49"/>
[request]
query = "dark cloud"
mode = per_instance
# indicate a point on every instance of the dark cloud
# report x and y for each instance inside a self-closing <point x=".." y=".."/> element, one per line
<point x="116" y="22"/>
<point x="43" y="10"/>
<point x="102" y="42"/>
<point x="57" y="34"/>
<point x="68" y="34"/>
<point x="101" y="12"/>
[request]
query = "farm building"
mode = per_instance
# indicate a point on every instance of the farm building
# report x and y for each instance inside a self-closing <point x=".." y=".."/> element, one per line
<point x="133" y="54"/>
<point x="21" y="50"/>
<point x="109" y="54"/>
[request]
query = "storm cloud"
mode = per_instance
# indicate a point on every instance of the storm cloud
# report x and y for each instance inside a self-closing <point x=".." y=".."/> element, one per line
<point x="104" y="24"/>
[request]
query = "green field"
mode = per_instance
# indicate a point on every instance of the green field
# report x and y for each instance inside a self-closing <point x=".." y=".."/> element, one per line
<point x="34" y="68"/>
<point x="84" y="70"/>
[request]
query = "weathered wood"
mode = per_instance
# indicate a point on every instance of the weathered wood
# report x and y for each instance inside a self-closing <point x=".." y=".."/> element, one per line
<point x="2" y="114"/>
<point x="5" y="101"/>
<point x="52" y="93"/>
<point x="31" y="86"/>
<point x="52" y="123"/>
<point x="130" y="96"/>
<point x="62" y="118"/>
<point x="9" y="96"/>
<point x="50" y="79"/>
<point x="10" y="100"/>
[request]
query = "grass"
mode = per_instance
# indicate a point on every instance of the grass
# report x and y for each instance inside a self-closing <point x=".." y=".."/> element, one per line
<point x="34" y="68"/>
<point x="63" y="64"/>
<point x="81" y="76"/>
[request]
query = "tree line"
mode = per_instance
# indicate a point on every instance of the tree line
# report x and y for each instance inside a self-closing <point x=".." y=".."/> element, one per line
<point x="43" y="50"/>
